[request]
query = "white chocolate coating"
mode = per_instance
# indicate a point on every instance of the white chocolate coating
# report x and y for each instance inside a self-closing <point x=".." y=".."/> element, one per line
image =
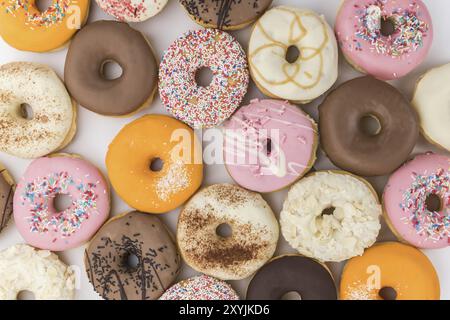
<point x="132" y="10"/>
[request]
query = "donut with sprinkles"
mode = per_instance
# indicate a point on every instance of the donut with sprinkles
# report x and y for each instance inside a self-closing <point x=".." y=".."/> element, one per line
<point x="132" y="10"/>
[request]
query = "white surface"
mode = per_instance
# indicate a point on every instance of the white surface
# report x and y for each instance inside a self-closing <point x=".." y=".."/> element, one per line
<point x="96" y="132"/>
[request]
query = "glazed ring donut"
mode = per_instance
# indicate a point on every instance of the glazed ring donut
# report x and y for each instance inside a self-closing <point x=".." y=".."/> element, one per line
<point x="253" y="239"/>
<point x="431" y="101"/>
<point x="155" y="163"/>
<point x="24" y="268"/>
<point x="279" y="75"/>
<point x="225" y="15"/>
<point x="203" y="107"/>
<point x="390" y="271"/>
<point x="35" y="216"/>
<point x="387" y="39"/>
<point x="52" y="122"/>
<point x="131" y="10"/>
<point x="310" y="279"/>
<point x="132" y="257"/>
<point x="200" y="288"/>
<point x="7" y="187"/>
<point x="24" y="27"/>
<point x="416" y="201"/>
<point x="350" y="144"/>
<point x="84" y="69"/>
<point x="269" y="145"/>
<point x="331" y="216"/>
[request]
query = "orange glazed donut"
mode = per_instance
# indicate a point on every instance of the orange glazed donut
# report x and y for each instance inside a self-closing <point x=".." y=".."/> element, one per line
<point x="25" y="27"/>
<point x="389" y="271"/>
<point x="155" y="163"/>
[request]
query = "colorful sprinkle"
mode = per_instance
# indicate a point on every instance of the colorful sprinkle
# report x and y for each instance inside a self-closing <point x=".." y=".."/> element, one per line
<point x="54" y="14"/>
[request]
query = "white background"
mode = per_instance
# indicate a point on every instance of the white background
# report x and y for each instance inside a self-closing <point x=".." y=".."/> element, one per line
<point x="95" y="132"/>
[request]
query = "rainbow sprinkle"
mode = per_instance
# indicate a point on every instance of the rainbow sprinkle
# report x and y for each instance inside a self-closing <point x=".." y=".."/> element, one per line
<point x="55" y="13"/>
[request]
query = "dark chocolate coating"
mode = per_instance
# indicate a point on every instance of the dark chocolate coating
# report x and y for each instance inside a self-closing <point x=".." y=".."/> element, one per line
<point x="292" y="273"/>
<point x="348" y="146"/>
<point x="225" y="14"/>
<point x="139" y="234"/>
<point x="104" y="41"/>
<point x="6" y="199"/>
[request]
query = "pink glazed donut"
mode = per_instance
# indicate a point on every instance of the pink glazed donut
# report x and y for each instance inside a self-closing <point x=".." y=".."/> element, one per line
<point x="416" y="201"/>
<point x="269" y="145"/>
<point x="36" y="218"/>
<point x="384" y="38"/>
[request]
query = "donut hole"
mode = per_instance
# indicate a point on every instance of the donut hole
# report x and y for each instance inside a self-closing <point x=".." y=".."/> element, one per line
<point x="62" y="202"/>
<point x="292" y="54"/>
<point x="43" y="5"/>
<point x="131" y="261"/>
<point x="433" y="203"/>
<point x="387" y="293"/>
<point x="156" y="164"/>
<point x="387" y="26"/>
<point x="224" y="230"/>
<point x="26" y="295"/>
<point x="26" y="111"/>
<point x="203" y="77"/>
<point x="291" y="295"/>
<point x="370" y="125"/>
<point x="111" y="70"/>
<point x="267" y="147"/>
<point x="328" y="211"/>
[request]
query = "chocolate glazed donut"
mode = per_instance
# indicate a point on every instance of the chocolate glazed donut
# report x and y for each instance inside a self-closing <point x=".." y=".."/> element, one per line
<point x="132" y="257"/>
<point x="7" y="187"/>
<point x="292" y="273"/>
<point x="353" y="147"/>
<point x="109" y="41"/>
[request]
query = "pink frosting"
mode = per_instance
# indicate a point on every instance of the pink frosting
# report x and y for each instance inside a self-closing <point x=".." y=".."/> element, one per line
<point x="292" y="137"/>
<point x="385" y="57"/>
<point x="404" y="201"/>
<point x="34" y="214"/>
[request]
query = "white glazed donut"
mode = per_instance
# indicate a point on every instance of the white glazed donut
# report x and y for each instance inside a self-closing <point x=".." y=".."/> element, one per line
<point x="132" y="10"/>
<point x="334" y="235"/>
<point x="253" y="239"/>
<point x="432" y="102"/>
<point x="53" y="122"/>
<point x="316" y="68"/>
<point x="39" y="271"/>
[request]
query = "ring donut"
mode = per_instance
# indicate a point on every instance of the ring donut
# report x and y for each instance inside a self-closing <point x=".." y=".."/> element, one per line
<point x="84" y="69"/>
<point x="7" y="187"/>
<point x="131" y="10"/>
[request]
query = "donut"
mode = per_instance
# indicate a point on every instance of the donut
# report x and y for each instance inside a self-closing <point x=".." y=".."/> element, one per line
<point x="155" y="163"/>
<point x="310" y="279"/>
<point x="52" y="123"/>
<point x="109" y="258"/>
<point x="225" y="15"/>
<point x="431" y="101"/>
<point x="350" y="144"/>
<point x="200" y="288"/>
<point x="84" y="69"/>
<point x="300" y="78"/>
<point x="24" y="268"/>
<point x="331" y="216"/>
<point x="253" y="238"/>
<point x="390" y="271"/>
<point x="416" y="201"/>
<point x="7" y="187"/>
<point x="132" y="10"/>
<point x="384" y="38"/>
<point x="269" y="145"/>
<point x="198" y="106"/>
<point x="24" y="27"/>
<point x="46" y="178"/>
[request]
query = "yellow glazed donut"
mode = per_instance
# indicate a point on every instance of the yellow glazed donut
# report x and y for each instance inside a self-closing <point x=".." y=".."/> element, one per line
<point x="155" y="163"/>
<point x="390" y="270"/>
<point x="25" y="27"/>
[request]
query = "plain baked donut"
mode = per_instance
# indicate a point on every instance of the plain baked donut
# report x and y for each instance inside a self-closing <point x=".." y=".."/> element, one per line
<point x="93" y="47"/>
<point x="350" y="145"/>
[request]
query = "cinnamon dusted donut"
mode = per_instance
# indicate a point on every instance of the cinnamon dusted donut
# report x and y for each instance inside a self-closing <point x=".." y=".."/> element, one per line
<point x="346" y="138"/>
<point x="208" y="249"/>
<point x="96" y="45"/>
<point x="7" y="186"/>
<point x="132" y="257"/>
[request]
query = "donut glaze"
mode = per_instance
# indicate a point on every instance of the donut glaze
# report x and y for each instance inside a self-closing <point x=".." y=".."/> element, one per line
<point x="292" y="273"/>
<point x="390" y="265"/>
<point x="269" y="144"/>
<point x="35" y="216"/>
<point x="132" y="10"/>
<point x="24" y="27"/>
<point x="347" y="144"/>
<point x="7" y="187"/>
<point x="84" y="77"/>
<point x="405" y="201"/>
<point x="253" y="225"/>
<point x="363" y="41"/>
<point x="225" y="15"/>
<point x="141" y="236"/>
<point x="203" y="107"/>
